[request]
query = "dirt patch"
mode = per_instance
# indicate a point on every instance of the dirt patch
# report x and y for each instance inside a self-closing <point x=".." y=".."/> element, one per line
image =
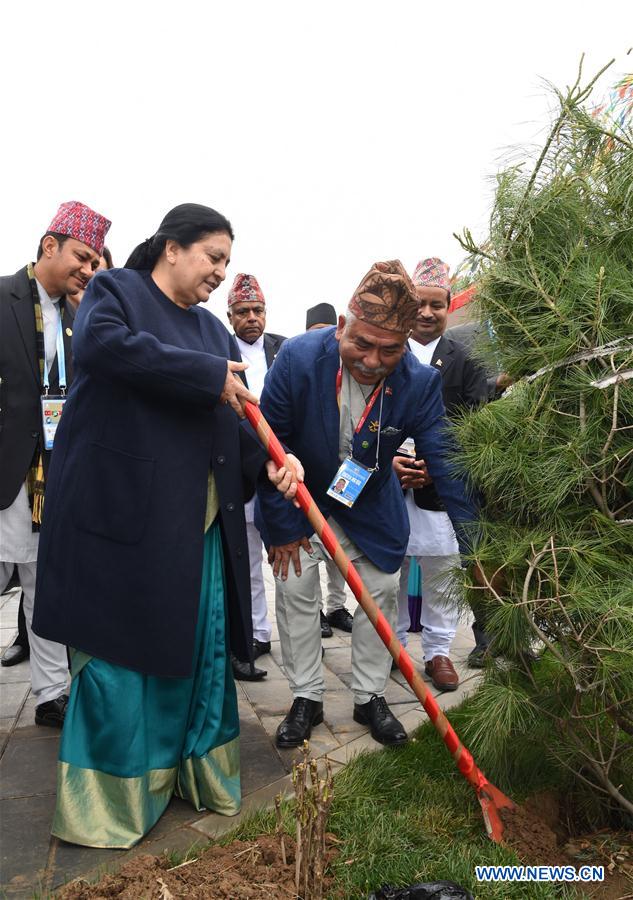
<point x="252" y="870"/>
<point x="541" y="835"/>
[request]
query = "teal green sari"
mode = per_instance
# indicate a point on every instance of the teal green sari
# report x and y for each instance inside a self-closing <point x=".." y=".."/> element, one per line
<point x="131" y="741"/>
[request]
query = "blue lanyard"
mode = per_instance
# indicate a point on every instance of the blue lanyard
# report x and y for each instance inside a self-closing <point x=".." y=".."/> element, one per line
<point x="61" y="360"/>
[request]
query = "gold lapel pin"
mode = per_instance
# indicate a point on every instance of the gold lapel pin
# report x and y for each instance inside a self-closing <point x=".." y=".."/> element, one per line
<point x="69" y="332"/>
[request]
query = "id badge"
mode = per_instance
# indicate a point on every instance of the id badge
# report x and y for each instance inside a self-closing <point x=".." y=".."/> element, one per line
<point x="51" y="416"/>
<point x="348" y="482"/>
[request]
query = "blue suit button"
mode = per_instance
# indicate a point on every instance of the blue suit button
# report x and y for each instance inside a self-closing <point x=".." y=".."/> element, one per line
<point x="230" y="506"/>
<point x="220" y="460"/>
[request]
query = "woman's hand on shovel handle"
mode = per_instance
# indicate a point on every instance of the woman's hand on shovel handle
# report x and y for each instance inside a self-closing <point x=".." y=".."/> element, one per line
<point x="287" y="477"/>
<point x="235" y="392"/>
<point x="280" y="557"/>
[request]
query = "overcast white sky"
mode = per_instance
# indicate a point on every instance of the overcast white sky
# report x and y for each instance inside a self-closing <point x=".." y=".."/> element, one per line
<point x="331" y="134"/>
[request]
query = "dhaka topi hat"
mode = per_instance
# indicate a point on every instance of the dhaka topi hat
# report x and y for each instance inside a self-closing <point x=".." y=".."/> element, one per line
<point x="432" y="272"/>
<point x="321" y="314"/>
<point x="82" y="223"/>
<point x="386" y="298"/>
<point x="245" y="289"/>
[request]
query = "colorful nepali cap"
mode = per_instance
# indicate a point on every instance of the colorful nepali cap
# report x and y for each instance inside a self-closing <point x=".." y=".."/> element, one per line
<point x="432" y="272"/>
<point x="82" y="223"/>
<point x="386" y="298"/>
<point x="245" y="289"/>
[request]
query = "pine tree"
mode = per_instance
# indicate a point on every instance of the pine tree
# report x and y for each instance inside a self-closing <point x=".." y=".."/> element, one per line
<point x="554" y="457"/>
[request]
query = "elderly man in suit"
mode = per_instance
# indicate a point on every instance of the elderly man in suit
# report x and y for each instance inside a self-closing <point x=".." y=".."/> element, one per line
<point x="432" y="541"/>
<point x="343" y="399"/>
<point x="36" y="324"/>
<point x="258" y="348"/>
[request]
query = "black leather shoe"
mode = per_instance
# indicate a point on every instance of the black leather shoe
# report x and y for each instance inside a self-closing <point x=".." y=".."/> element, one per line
<point x="326" y="628"/>
<point x="297" y="726"/>
<point x="245" y="671"/>
<point x="341" y="618"/>
<point x="52" y="713"/>
<point x="383" y="725"/>
<point x="260" y="648"/>
<point x="14" y="654"/>
<point x="481" y="652"/>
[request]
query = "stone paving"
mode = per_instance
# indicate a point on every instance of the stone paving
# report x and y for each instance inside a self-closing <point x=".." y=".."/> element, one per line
<point x="32" y="863"/>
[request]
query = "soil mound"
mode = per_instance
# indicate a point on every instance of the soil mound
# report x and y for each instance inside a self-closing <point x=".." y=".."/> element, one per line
<point x="252" y="870"/>
<point x="542" y="833"/>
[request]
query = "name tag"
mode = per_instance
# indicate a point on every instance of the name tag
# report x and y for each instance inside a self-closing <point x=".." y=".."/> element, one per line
<point x="51" y="417"/>
<point x="348" y="482"/>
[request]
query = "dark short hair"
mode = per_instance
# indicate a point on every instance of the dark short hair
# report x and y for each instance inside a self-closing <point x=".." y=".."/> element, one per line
<point x="60" y="238"/>
<point x="107" y="256"/>
<point x="184" y="224"/>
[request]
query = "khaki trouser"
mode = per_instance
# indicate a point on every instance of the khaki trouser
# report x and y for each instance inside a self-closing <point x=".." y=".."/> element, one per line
<point x="297" y="606"/>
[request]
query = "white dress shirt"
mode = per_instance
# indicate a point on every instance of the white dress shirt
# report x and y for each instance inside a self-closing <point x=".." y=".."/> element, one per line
<point x="431" y="530"/>
<point x="50" y="316"/>
<point x="255" y="355"/>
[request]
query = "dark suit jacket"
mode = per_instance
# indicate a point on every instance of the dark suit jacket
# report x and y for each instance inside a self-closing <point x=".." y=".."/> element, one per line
<point x="299" y="402"/>
<point x="20" y="383"/>
<point x="467" y="334"/>
<point x="464" y="386"/>
<point x="272" y="343"/>
<point x="121" y="548"/>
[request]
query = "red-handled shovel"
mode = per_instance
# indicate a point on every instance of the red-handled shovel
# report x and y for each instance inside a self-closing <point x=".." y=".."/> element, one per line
<point x="490" y="797"/>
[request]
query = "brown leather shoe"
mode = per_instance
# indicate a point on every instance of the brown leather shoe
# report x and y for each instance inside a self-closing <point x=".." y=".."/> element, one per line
<point x="442" y="673"/>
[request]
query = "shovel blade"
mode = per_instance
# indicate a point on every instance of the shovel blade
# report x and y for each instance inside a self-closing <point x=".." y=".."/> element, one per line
<point x="492" y="801"/>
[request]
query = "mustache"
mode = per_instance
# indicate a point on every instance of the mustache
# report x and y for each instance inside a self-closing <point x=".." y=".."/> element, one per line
<point x="364" y="370"/>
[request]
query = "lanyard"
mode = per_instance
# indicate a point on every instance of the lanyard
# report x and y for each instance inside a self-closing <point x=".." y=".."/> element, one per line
<point x="368" y="408"/>
<point x="370" y="402"/>
<point x="61" y="360"/>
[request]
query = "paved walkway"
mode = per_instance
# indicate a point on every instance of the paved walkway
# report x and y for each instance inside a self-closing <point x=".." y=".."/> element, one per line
<point x="33" y="863"/>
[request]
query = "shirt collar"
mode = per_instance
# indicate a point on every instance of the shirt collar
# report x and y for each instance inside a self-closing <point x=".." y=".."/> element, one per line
<point x="44" y="296"/>
<point x="256" y="345"/>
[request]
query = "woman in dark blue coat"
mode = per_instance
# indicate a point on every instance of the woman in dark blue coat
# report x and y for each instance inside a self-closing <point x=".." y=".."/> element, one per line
<point x="143" y="566"/>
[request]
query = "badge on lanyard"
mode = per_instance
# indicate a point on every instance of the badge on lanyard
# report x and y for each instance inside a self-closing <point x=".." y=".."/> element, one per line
<point x="352" y="476"/>
<point x="349" y="481"/>
<point x="53" y="404"/>
<point x="51" y="416"/>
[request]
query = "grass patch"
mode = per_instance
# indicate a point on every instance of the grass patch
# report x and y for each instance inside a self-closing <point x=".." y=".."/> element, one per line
<point x="406" y="815"/>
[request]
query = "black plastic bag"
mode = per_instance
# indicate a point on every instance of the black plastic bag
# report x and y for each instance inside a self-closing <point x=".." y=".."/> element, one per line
<point x="438" y="890"/>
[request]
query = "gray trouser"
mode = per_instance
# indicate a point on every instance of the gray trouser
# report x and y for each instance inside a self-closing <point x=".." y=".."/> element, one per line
<point x="440" y="610"/>
<point x="297" y="608"/>
<point x="49" y="662"/>
<point x="335" y="588"/>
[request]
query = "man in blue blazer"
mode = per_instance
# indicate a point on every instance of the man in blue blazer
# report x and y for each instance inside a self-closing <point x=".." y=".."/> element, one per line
<point x="343" y="399"/>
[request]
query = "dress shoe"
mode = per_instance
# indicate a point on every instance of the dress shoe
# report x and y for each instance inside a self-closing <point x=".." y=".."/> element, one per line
<point x="326" y="628"/>
<point x="442" y="673"/>
<point x="246" y="671"/>
<point x="14" y="654"/>
<point x="383" y="725"/>
<point x="52" y="712"/>
<point x="297" y="726"/>
<point x="341" y="618"/>
<point x="260" y="648"/>
<point x="481" y="651"/>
